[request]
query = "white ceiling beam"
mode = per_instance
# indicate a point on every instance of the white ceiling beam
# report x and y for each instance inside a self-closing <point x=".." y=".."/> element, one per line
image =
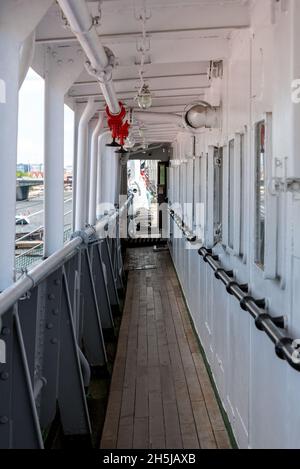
<point x="116" y="38"/>
<point x="181" y="17"/>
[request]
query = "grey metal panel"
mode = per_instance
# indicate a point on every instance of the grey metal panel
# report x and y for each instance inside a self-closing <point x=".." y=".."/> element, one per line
<point x="71" y="396"/>
<point x="19" y="426"/>
<point x="106" y="248"/>
<point x="106" y="317"/>
<point x="92" y="328"/>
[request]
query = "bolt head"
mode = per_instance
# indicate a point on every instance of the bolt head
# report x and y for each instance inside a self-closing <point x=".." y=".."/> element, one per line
<point x="4" y="376"/>
<point x="3" y="419"/>
<point x="5" y="331"/>
<point x="54" y="341"/>
<point x="49" y="326"/>
<point x="51" y="296"/>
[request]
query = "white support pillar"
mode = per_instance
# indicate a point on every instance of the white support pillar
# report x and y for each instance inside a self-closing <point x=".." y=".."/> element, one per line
<point x="103" y="139"/>
<point x="77" y="117"/>
<point x="15" y="26"/>
<point x="54" y="166"/>
<point x="117" y="178"/>
<point x="9" y="79"/>
<point x="62" y="68"/>
<point x="94" y="170"/>
<point x="82" y="165"/>
<point x="107" y="181"/>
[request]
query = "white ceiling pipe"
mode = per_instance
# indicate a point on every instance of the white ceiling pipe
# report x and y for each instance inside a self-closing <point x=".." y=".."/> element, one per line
<point x="26" y="57"/>
<point x="157" y="117"/>
<point x="196" y="118"/>
<point x="81" y="180"/>
<point x="81" y="23"/>
<point x="94" y="170"/>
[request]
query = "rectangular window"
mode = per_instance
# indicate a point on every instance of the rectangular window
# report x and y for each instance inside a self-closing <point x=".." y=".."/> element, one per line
<point x="243" y="193"/>
<point x="218" y="194"/>
<point x="231" y="194"/>
<point x="260" y="192"/>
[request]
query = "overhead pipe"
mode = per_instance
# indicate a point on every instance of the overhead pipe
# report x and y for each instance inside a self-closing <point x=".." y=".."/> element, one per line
<point x="197" y="117"/>
<point x="94" y="170"/>
<point x="81" y="179"/>
<point x="157" y="118"/>
<point x="101" y="63"/>
<point x="100" y="59"/>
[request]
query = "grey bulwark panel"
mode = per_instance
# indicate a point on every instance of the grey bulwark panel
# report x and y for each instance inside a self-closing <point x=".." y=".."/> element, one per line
<point x="27" y="308"/>
<point x="50" y="302"/>
<point x="19" y="425"/>
<point x="106" y="317"/>
<point x="71" y="394"/>
<point x="120" y="267"/>
<point x="92" y="338"/>
<point x="105" y="253"/>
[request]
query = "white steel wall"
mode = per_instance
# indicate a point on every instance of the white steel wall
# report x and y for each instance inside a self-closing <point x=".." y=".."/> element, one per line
<point x="259" y="391"/>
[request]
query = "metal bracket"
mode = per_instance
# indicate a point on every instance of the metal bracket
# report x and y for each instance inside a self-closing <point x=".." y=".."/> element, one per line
<point x="105" y="74"/>
<point x="280" y="185"/>
<point x="81" y="234"/>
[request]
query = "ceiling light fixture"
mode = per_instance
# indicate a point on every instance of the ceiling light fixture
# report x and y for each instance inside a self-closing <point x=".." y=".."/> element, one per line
<point x="144" y="97"/>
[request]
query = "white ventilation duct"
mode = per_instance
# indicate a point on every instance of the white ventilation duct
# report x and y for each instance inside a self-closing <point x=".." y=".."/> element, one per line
<point x="101" y="59"/>
<point x="196" y="116"/>
<point x="147" y="117"/>
<point x="202" y="115"/>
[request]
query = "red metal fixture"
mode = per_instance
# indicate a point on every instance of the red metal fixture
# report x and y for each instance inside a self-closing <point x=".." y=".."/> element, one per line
<point x="123" y="134"/>
<point x="115" y="123"/>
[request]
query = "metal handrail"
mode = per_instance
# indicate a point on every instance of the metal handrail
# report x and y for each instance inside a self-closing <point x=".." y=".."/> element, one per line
<point x="188" y="234"/>
<point x="284" y="348"/>
<point x="17" y="290"/>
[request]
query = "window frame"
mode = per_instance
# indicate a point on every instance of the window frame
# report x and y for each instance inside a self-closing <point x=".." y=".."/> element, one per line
<point x="269" y="268"/>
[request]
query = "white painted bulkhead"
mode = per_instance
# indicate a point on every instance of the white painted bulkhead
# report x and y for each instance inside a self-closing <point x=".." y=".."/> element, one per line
<point x="259" y="391"/>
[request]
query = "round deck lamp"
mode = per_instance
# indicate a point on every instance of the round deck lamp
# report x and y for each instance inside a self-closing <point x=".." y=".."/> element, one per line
<point x="144" y="98"/>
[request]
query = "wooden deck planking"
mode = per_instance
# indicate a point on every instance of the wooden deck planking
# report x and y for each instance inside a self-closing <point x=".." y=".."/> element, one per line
<point x="161" y="395"/>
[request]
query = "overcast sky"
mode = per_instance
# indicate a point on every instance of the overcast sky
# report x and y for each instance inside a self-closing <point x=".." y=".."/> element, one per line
<point x="31" y="123"/>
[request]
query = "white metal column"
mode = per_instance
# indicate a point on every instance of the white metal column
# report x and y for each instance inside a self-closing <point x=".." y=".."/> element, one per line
<point x="17" y="21"/>
<point x="54" y="165"/>
<point x="62" y="68"/>
<point x="94" y="170"/>
<point x="103" y="138"/>
<point x="9" y="79"/>
<point x="82" y="165"/>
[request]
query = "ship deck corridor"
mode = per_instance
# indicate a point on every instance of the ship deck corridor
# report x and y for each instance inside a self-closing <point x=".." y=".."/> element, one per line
<point x="161" y="395"/>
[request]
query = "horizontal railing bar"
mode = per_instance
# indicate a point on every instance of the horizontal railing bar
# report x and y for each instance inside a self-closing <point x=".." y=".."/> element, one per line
<point x="191" y="238"/>
<point x="12" y="294"/>
<point x="256" y="308"/>
<point x="17" y="290"/>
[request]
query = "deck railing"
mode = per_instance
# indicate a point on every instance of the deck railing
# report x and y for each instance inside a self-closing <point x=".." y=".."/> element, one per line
<point x="52" y="324"/>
